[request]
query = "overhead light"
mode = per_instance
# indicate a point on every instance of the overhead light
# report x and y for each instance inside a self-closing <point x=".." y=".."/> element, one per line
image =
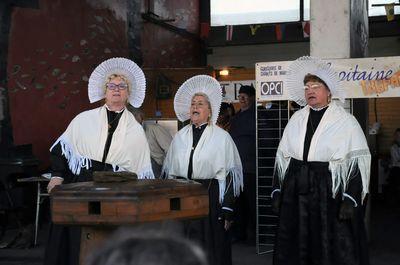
<point x="224" y="72"/>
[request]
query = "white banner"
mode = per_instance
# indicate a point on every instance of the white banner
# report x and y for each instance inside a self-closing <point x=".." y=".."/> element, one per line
<point x="230" y="89"/>
<point x="361" y="78"/>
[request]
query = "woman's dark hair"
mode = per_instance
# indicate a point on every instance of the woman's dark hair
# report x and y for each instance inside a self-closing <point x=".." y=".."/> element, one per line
<point x="225" y="116"/>
<point x="226" y="106"/>
<point x="314" y="78"/>
<point x="248" y="90"/>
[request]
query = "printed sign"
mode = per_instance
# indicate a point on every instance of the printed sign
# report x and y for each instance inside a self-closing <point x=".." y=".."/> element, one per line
<point x="271" y="88"/>
<point x="230" y="89"/>
<point x="360" y="77"/>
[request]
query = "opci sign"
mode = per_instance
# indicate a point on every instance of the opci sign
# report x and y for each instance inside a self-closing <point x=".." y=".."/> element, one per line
<point x="272" y="88"/>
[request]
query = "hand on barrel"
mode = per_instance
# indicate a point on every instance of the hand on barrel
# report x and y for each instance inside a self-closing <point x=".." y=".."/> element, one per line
<point x="54" y="181"/>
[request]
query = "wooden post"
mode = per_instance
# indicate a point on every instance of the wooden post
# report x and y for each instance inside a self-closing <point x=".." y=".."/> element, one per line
<point x="135" y="26"/>
<point x="339" y="29"/>
<point x="6" y="138"/>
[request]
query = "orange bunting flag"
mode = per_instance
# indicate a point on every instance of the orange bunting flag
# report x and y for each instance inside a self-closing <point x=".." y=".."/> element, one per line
<point x="278" y="32"/>
<point x="204" y="30"/>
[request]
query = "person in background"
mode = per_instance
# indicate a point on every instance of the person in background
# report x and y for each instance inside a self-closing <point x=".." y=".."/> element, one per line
<point x="145" y="245"/>
<point x="321" y="177"/>
<point x="107" y="138"/>
<point x="226" y="112"/>
<point x="243" y="132"/>
<point x="394" y="173"/>
<point x="158" y="138"/>
<point x="205" y="153"/>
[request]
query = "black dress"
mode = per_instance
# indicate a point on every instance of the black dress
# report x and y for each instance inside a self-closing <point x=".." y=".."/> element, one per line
<point x="63" y="245"/>
<point x="210" y="231"/>
<point x="309" y="230"/>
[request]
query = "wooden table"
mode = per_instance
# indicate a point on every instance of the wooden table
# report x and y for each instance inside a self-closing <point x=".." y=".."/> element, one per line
<point x="39" y="194"/>
<point x="100" y="207"/>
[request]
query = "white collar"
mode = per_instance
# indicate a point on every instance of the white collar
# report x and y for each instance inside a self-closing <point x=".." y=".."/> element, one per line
<point x="319" y="109"/>
<point x="117" y="111"/>
<point x="200" y="125"/>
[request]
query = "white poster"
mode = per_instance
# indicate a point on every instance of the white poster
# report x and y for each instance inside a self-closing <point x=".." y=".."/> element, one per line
<point x="361" y="78"/>
<point x="230" y="89"/>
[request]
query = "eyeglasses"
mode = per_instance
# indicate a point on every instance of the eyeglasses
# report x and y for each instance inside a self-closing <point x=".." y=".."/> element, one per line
<point x="121" y="86"/>
<point x="312" y="87"/>
<point x="243" y="97"/>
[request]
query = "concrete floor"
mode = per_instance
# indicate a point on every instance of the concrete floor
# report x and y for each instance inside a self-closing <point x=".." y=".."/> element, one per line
<point x="384" y="244"/>
<point x="242" y="254"/>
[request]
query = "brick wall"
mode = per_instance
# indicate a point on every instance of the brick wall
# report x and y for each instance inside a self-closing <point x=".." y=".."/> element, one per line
<point x="388" y="114"/>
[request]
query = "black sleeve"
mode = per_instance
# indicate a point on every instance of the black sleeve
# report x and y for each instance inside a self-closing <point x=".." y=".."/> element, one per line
<point x="275" y="182"/>
<point x="229" y="200"/>
<point x="276" y="186"/>
<point x="229" y="197"/>
<point x="59" y="164"/>
<point x="354" y="187"/>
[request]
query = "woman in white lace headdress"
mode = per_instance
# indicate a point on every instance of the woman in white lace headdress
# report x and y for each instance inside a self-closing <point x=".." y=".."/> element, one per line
<point x="204" y="152"/>
<point x="107" y="138"/>
<point x="321" y="178"/>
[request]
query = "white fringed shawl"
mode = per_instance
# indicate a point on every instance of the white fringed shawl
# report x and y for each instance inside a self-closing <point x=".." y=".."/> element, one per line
<point x="85" y="138"/>
<point x="215" y="157"/>
<point x="338" y="140"/>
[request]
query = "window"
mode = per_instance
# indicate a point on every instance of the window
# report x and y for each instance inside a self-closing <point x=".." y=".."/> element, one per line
<point x="380" y="10"/>
<point x="306" y="11"/>
<point x="241" y="12"/>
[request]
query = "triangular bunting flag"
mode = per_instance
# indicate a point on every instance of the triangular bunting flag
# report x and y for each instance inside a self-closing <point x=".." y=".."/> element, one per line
<point x="389" y="11"/>
<point x="254" y="28"/>
<point x="204" y="30"/>
<point x="229" y="32"/>
<point x="278" y="32"/>
<point x="306" y="29"/>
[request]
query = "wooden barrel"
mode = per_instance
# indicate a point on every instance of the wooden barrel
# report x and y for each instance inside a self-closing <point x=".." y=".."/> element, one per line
<point x="100" y="207"/>
<point x="90" y="203"/>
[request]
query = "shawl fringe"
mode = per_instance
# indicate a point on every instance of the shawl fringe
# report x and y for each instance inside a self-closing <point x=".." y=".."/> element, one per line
<point x="164" y="172"/>
<point x="222" y="189"/>
<point x="281" y="166"/>
<point x="237" y="177"/>
<point x="342" y="171"/>
<point x="75" y="161"/>
<point x="117" y="168"/>
<point x="236" y="181"/>
<point x="146" y="173"/>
